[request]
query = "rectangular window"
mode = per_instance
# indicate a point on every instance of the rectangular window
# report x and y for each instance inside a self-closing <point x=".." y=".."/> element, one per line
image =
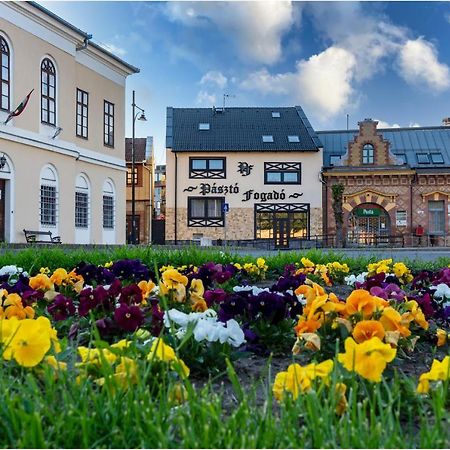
<point x="108" y="211"/>
<point x="48" y="205"/>
<point x="276" y="114"/>
<point x="293" y="138"/>
<point x="136" y="176"/>
<point x="205" y="212"/>
<point x="203" y="126"/>
<point x="368" y="154"/>
<point x="282" y="173"/>
<point x="267" y="138"/>
<point x="82" y="113"/>
<point x="437" y="158"/>
<point x="207" y="168"/>
<point x="422" y="158"/>
<point x="81" y="209"/>
<point x="108" y="123"/>
<point x="436" y="217"/>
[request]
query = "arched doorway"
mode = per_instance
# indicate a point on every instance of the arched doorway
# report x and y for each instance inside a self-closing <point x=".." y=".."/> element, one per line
<point x="368" y="224"/>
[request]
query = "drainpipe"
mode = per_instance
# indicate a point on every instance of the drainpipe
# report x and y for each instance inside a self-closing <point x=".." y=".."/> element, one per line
<point x="323" y="180"/>
<point x="85" y="43"/>
<point x="176" y="200"/>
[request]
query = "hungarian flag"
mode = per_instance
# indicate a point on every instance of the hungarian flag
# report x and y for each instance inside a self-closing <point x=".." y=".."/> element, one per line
<point x="20" y="108"/>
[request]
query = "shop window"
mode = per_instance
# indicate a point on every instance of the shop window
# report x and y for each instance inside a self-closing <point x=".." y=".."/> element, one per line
<point x="207" y="168"/>
<point x="368" y="154"/>
<point x="205" y="212"/>
<point x="282" y="173"/>
<point x="436" y="217"/>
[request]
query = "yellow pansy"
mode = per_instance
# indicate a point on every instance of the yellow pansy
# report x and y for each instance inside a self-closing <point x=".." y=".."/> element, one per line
<point x="368" y="359"/>
<point x="41" y="282"/>
<point x="13" y="307"/>
<point x="59" y="276"/>
<point x="440" y="371"/>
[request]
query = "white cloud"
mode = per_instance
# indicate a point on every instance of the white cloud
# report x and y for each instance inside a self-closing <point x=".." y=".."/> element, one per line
<point x="206" y="99"/>
<point x="214" y="77"/>
<point x="256" y="28"/>
<point x="447" y="17"/>
<point x="321" y="83"/>
<point x="383" y="124"/>
<point x="419" y="65"/>
<point x="118" y="51"/>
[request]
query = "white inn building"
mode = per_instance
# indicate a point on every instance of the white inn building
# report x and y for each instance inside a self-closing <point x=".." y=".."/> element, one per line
<point x="62" y="159"/>
<point x="242" y="174"/>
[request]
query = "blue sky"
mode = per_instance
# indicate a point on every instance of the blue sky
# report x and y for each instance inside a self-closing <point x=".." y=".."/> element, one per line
<point x="387" y="61"/>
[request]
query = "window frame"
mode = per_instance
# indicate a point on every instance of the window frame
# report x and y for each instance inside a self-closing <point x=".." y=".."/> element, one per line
<point x="204" y="126"/>
<point x="81" y="116"/>
<point x="436" y="215"/>
<point x="3" y="81"/>
<point x="293" y="138"/>
<point x="267" y="138"/>
<point x="368" y="154"/>
<point x="108" y="122"/>
<point x="47" y="99"/>
<point x="51" y="210"/>
<point x="332" y="164"/>
<point x="283" y="168"/>
<point x="207" y="173"/>
<point x="206" y="220"/>
<point x="108" y="224"/>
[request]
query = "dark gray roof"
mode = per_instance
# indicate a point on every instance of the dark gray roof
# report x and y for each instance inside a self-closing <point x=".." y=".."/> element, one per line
<point x="239" y="129"/>
<point x="404" y="141"/>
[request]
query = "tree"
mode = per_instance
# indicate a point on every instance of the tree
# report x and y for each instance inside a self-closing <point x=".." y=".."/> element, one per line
<point x="337" y="191"/>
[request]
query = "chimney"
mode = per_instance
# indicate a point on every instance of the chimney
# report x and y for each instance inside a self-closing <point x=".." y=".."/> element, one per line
<point x="446" y="121"/>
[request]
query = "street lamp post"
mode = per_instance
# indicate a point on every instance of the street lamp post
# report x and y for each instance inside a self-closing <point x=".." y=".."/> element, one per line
<point x="133" y="164"/>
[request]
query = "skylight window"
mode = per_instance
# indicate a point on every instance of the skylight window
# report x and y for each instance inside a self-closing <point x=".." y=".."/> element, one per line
<point x="401" y="157"/>
<point x="203" y="126"/>
<point x="293" y="138"/>
<point x="422" y="158"/>
<point x="276" y="114"/>
<point x="267" y="138"/>
<point x="335" y="160"/>
<point x="437" y="158"/>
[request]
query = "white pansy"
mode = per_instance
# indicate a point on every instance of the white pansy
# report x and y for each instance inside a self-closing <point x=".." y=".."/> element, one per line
<point x="350" y="280"/>
<point x="206" y="327"/>
<point x="442" y="291"/>
<point x="301" y="298"/>
<point x="255" y="290"/>
<point x="9" y="270"/>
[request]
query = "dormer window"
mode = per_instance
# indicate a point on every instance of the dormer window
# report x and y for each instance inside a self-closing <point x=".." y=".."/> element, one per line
<point x="437" y="158"/>
<point x="368" y="153"/>
<point x="276" y="114"/>
<point x="203" y="126"/>
<point x="293" y="138"/>
<point x="267" y="138"/>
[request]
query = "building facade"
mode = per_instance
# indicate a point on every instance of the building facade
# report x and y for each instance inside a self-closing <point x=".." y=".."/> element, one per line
<point x="143" y="181"/>
<point x="242" y="174"/>
<point x="64" y="167"/>
<point x="396" y="183"/>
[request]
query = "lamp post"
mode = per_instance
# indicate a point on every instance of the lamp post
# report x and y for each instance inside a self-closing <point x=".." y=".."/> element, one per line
<point x="133" y="163"/>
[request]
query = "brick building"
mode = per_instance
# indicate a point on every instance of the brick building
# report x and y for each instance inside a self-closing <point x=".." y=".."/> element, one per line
<point x="242" y="174"/>
<point x="397" y="182"/>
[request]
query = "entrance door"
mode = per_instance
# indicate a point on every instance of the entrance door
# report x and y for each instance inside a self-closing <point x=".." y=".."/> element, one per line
<point x="281" y="232"/>
<point x="2" y="210"/>
<point x="137" y="219"/>
<point x="368" y="225"/>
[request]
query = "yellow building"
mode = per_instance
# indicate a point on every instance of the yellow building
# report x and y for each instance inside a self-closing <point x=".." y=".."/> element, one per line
<point x="64" y="167"/>
<point x="143" y="182"/>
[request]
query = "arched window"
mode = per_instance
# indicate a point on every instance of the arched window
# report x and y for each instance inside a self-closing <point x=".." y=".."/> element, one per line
<point x="368" y="153"/>
<point x="48" y="92"/>
<point x="49" y="196"/>
<point x="5" y="75"/>
<point x="108" y="205"/>
<point x="82" y="202"/>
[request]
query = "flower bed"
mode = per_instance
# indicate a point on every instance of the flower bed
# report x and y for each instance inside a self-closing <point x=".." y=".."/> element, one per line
<point x="123" y="326"/>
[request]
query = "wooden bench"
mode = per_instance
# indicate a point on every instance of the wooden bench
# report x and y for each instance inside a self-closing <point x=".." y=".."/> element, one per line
<point x="34" y="237"/>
